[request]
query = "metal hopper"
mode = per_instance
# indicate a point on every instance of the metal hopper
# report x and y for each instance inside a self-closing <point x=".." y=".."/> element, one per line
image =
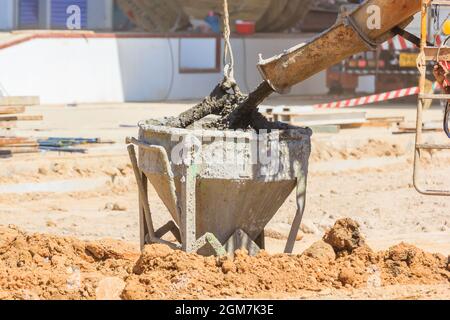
<point x="221" y="187"/>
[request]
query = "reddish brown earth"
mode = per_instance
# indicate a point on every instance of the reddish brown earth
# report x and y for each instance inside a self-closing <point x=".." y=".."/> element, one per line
<point x="362" y="173"/>
<point x="40" y="266"/>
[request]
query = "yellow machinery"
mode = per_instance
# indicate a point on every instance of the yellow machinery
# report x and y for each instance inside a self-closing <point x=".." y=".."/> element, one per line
<point x="428" y="53"/>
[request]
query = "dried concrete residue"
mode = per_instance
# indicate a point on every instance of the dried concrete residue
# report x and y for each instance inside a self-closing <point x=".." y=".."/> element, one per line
<point x="49" y="267"/>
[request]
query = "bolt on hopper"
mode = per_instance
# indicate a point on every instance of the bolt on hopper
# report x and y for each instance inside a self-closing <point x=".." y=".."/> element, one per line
<point x="221" y="187"/>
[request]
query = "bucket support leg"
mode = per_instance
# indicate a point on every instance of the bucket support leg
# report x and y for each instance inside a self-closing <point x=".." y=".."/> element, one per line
<point x="145" y="216"/>
<point x="144" y="231"/>
<point x="190" y="243"/>
<point x="147" y="231"/>
<point x="261" y="241"/>
<point x="188" y="221"/>
<point x="301" y="201"/>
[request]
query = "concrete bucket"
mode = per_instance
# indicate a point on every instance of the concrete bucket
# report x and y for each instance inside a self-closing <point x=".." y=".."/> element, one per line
<point x="221" y="187"/>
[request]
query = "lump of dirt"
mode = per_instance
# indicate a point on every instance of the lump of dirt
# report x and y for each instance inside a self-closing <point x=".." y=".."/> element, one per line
<point x="110" y="249"/>
<point x="345" y="236"/>
<point x="404" y="262"/>
<point x="347" y="276"/>
<point x="7" y="237"/>
<point x="110" y="206"/>
<point x="228" y="266"/>
<point x="158" y="256"/>
<point x="110" y="288"/>
<point x="321" y="251"/>
<point x="149" y="255"/>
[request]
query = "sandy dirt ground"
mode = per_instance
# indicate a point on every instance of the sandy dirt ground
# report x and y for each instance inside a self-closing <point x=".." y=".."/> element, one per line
<point x="363" y="174"/>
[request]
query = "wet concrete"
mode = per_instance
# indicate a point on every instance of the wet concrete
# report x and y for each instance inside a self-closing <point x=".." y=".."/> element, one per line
<point x="235" y="111"/>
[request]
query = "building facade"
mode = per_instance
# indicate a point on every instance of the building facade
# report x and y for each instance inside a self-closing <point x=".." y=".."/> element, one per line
<point x="55" y="14"/>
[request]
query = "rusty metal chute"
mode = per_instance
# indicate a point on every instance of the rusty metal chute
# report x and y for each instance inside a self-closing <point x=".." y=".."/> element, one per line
<point x="339" y="42"/>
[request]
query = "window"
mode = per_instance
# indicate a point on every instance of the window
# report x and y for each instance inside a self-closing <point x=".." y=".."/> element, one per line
<point x="199" y="55"/>
<point x="28" y="14"/>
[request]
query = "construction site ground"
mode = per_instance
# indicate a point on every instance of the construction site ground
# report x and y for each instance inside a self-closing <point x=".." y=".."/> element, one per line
<point x="364" y="174"/>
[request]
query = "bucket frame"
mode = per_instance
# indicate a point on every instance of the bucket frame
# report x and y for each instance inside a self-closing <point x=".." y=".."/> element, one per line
<point x="185" y="233"/>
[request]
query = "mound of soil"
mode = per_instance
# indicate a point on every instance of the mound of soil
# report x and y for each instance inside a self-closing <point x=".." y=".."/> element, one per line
<point x="404" y="263"/>
<point x="342" y="260"/>
<point x="50" y="267"/>
<point x="321" y="251"/>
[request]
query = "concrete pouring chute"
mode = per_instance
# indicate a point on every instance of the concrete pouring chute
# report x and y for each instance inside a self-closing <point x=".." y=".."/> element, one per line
<point x="350" y="35"/>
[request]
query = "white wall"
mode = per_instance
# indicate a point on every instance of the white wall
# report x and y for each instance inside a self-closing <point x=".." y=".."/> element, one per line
<point x="63" y="70"/>
<point x="6" y="14"/>
<point x="146" y="68"/>
<point x="129" y="69"/>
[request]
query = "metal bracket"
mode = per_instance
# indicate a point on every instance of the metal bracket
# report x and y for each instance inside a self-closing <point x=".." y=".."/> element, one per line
<point x="169" y="227"/>
<point x="301" y="202"/>
<point x="409" y="36"/>
<point x="209" y="238"/>
<point x="349" y="21"/>
<point x="447" y="119"/>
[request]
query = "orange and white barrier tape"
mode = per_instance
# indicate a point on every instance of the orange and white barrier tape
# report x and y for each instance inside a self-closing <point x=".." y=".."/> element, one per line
<point x="400" y="43"/>
<point x="391" y="95"/>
